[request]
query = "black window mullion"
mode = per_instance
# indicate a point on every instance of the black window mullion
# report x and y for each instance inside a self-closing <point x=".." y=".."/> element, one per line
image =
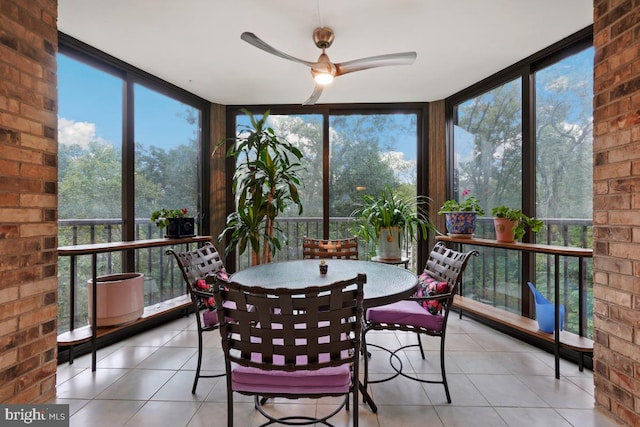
<point x="528" y="180"/>
<point x="128" y="172"/>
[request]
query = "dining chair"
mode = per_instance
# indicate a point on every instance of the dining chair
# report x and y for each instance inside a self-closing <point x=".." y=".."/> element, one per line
<point x="426" y="312"/>
<point x="291" y="343"/>
<point x="330" y="248"/>
<point x="195" y="265"/>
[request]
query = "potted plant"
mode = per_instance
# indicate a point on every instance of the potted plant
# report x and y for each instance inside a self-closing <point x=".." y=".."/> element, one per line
<point x="384" y="219"/>
<point x="511" y="224"/>
<point x="460" y="216"/>
<point x="265" y="183"/>
<point x="175" y="221"/>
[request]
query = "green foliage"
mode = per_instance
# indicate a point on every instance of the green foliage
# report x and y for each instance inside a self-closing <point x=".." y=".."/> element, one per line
<point x="161" y="216"/>
<point x="522" y="220"/>
<point x="265" y="183"/>
<point x="390" y="210"/>
<point x="469" y="204"/>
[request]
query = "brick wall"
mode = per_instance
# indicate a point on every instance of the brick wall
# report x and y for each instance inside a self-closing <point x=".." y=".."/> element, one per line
<point x="28" y="200"/>
<point x="616" y="215"/>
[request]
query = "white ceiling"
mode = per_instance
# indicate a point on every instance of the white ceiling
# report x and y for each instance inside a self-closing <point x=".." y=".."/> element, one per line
<point x="195" y="44"/>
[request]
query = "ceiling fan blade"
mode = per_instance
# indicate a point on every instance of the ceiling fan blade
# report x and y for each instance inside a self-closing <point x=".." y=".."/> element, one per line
<point x="254" y="40"/>
<point x="401" y="58"/>
<point x="317" y="91"/>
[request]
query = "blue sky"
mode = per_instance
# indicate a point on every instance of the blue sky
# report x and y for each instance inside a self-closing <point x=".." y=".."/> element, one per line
<point x="90" y="108"/>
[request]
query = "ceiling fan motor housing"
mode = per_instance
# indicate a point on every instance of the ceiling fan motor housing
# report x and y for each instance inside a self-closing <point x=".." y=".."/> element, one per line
<point x="323" y="37"/>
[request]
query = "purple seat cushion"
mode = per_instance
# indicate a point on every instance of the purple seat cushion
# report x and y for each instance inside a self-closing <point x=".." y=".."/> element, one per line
<point x="209" y="318"/>
<point x="321" y="381"/>
<point x="405" y="313"/>
<point x="335" y="379"/>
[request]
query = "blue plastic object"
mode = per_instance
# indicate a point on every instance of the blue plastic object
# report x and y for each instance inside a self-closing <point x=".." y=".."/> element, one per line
<point x="545" y="311"/>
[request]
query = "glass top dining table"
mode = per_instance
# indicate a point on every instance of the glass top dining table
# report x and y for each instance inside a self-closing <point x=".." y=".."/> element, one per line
<point x="385" y="283"/>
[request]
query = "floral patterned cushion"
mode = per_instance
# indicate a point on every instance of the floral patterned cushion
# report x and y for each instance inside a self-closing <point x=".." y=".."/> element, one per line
<point x="204" y="286"/>
<point x="429" y="287"/>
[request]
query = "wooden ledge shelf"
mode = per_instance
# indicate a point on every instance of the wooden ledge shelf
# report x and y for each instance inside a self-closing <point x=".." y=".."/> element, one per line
<point x="84" y="334"/>
<point x="524" y="247"/>
<point x="89" y="334"/>
<point x="523" y="324"/>
<point x="559" y="338"/>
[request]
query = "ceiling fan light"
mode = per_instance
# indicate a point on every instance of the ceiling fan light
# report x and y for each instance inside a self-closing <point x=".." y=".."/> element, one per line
<point x="323" y="78"/>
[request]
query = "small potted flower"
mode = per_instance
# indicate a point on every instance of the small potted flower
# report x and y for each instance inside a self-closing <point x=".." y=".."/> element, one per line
<point x="324" y="268"/>
<point x="460" y="216"/>
<point x="175" y="221"/>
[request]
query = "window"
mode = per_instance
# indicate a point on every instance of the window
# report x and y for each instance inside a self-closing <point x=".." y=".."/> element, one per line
<point x="167" y="154"/>
<point x="362" y="152"/>
<point x="488" y="148"/>
<point x="524" y="139"/>
<point x="129" y="144"/>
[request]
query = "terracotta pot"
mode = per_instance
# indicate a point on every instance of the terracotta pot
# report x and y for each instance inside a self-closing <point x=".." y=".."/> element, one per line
<point x="504" y="229"/>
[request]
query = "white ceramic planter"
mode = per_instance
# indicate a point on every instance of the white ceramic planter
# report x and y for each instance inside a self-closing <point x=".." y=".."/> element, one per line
<point x="120" y="298"/>
<point x="390" y="243"/>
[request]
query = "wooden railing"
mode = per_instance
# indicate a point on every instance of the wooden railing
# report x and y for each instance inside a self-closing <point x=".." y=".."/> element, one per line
<point x="165" y="282"/>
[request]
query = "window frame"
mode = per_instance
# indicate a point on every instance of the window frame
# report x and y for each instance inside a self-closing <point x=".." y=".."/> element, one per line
<point x="525" y="71"/>
<point x="130" y="76"/>
<point x="420" y="109"/>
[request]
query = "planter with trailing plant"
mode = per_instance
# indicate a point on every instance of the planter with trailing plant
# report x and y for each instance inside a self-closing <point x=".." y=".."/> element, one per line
<point x="511" y="224"/>
<point x="383" y="220"/>
<point x="175" y="221"/>
<point x="460" y="216"/>
<point x="265" y="183"/>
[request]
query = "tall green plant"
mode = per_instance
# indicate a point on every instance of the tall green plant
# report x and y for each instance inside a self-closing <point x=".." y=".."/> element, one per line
<point x="265" y="182"/>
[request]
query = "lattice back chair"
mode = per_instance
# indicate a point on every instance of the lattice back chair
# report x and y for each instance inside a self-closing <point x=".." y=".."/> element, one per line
<point x="291" y="343"/>
<point x="330" y="248"/>
<point x="195" y="265"/>
<point x="426" y="312"/>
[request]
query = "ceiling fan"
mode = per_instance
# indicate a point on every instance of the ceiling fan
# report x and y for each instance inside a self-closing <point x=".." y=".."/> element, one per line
<point x="323" y="70"/>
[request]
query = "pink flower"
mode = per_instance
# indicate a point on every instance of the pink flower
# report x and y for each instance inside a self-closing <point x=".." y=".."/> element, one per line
<point x="466" y="192"/>
<point x="184" y="211"/>
<point x="442" y="287"/>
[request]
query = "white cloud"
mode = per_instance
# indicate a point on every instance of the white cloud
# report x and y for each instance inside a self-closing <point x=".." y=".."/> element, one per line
<point x="71" y="132"/>
<point x="404" y="170"/>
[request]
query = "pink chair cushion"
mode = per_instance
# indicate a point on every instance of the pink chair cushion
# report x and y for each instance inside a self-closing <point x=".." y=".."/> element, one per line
<point x="405" y="313"/>
<point x="321" y="381"/>
<point x="335" y="379"/>
<point x="209" y="318"/>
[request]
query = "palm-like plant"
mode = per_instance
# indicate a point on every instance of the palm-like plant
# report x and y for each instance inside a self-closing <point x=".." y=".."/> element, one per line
<point x="265" y="183"/>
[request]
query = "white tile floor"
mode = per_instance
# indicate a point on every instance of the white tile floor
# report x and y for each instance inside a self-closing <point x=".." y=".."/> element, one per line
<point x="495" y="380"/>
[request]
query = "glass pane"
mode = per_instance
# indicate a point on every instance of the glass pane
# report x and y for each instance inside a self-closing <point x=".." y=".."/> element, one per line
<point x="564" y="133"/>
<point x="564" y="176"/>
<point x="488" y="164"/>
<point x="167" y="171"/>
<point x="488" y="150"/>
<point x="167" y="146"/>
<point x="89" y="175"/>
<point x="305" y="132"/>
<point x="368" y="152"/>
